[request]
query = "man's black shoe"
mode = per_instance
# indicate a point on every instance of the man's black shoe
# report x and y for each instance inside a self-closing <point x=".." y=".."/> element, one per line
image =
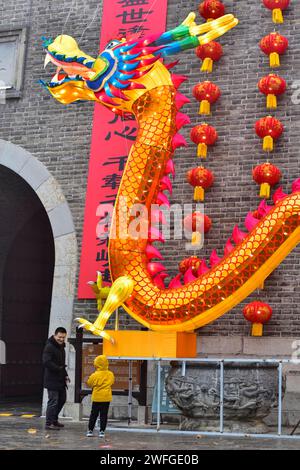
<point x="51" y="427"/>
<point x="58" y="425"/>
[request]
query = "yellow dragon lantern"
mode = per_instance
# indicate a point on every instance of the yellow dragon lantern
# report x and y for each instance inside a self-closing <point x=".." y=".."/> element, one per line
<point x="130" y="76"/>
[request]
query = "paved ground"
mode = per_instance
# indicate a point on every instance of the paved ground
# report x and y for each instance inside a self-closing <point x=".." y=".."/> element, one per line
<point x="18" y="432"/>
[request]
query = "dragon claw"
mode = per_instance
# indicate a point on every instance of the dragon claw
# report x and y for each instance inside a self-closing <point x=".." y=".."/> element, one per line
<point x="88" y="326"/>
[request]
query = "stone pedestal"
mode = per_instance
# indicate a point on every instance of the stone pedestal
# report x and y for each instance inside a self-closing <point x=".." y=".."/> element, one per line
<point x="250" y="392"/>
<point x="133" y="343"/>
<point x="74" y="411"/>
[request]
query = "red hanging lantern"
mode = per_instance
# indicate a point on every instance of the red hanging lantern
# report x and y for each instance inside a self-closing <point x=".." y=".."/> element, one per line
<point x="211" y="9"/>
<point x="210" y="52"/>
<point x="207" y="93"/>
<point x="203" y="135"/>
<point x="273" y="45"/>
<point x="201" y="179"/>
<point x="266" y="175"/>
<point x="277" y="6"/>
<point x="195" y="221"/>
<point x="269" y="129"/>
<point x="192" y="262"/>
<point x="257" y="313"/>
<point x="272" y="85"/>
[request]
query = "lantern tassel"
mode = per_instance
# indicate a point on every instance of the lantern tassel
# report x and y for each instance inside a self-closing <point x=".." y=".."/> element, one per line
<point x="271" y="101"/>
<point x="265" y="190"/>
<point x="204" y="107"/>
<point x="207" y="65"/>
<point x="202" y="150"/>
<point x="196" y="238"/>
<point x="268" y="143"/>
<point x="257" y="329"/>
<point x="199" y="193"/>
<point x="274" y="59"/>
<point x="277" y="15"/>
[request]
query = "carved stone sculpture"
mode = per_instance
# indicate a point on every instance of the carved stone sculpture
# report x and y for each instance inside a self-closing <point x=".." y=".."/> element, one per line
<point x="250" y="391"/>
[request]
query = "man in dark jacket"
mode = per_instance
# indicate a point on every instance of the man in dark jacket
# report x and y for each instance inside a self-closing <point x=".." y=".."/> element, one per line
<point x="55" y="377"/>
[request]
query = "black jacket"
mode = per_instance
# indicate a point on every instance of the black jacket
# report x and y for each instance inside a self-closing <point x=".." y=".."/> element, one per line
<point x="54" y="358"/>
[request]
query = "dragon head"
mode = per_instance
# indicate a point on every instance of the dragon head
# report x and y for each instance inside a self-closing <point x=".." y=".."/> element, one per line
<point x="78" y="77"/>
<point x="125" y="69"/>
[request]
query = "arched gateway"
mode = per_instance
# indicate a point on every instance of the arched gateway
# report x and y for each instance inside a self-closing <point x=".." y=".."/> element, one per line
<point x="38" y="257"/>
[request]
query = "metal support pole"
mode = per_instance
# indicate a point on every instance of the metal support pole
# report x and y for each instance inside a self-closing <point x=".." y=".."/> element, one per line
<point x="279" y="398"/>
<point x="221" y="396"/>
<point x="129" y="392"/>
<point x="183" y="369"/>
<point x="158" y="395"/>
<point x="78" y="364"/>
<point x="117" y="320"/>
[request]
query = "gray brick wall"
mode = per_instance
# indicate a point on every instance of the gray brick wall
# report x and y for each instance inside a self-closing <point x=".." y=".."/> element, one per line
<point x="60" y="136"/>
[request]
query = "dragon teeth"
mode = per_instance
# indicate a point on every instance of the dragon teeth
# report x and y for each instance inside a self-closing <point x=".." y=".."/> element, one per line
<point x="47" y="60"/>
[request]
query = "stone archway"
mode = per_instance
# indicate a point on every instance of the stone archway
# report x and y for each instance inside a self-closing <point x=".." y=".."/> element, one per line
<point x="31" y="170"/>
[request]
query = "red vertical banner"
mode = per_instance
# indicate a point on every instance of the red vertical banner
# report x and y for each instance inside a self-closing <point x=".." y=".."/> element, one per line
<point x="112" y="137"/>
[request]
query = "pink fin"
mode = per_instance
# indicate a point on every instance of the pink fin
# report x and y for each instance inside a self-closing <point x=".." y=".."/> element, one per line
<point x="118" y="93"/>
<point x="145" y="50"/>
<point x="182" y="120"/>
<point x="105" y="99"/>
<point x="141" y="73"/>
<point x="188" y="276"/>
<point x="163" y="275"/>
<point x="263" y="208"/>
<point x="162" y="200"/>
<point x="228" y="247"/>
<point x="152" y="60"/>
<point x="175" y="282"/>
<point x="153" y="49"/>
<point x="237" y="235"/>
<point x="153" y="252"/>
<point x="170" y="167"/>
<point x="157" y="216"/>
<point x="165" y="183"/>
<point x="159" y="281"/>
<point x="250" y="222"/>
<point x="214" y="259"/>
<point x="203" y="268"/>
<point x="278" y="195"/>
<point x="178" y="141"/>
<point x="150" y="39"/>
<point x="155" y="235"/>
<point x="181" y="100"/>
<point x="155" y="268"/>
<point x="296" y="185"/>
<point x="172" y="65"/>
<point x="136" y="86"/>
<point x="178" y="79"/>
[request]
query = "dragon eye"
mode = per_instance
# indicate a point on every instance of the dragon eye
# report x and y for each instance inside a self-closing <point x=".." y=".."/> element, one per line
<point x="112" y="44"/>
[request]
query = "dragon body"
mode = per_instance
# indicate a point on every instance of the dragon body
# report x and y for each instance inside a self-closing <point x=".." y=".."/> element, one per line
<point x="130" y="76"/>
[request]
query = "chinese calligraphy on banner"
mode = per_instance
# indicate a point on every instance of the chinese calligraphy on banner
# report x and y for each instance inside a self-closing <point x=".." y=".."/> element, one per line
<point x="112" y="138"/>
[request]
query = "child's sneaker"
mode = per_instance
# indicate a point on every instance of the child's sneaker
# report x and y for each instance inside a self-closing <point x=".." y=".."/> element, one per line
<point x="89" y="434"/>
<point x="101" y="434"/>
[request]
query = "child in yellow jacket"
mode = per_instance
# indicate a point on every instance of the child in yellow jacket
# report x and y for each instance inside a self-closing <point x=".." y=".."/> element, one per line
<point x="100" y="381"/>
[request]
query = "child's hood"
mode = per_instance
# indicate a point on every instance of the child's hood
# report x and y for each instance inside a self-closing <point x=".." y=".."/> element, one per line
<point x="101" y="362"/>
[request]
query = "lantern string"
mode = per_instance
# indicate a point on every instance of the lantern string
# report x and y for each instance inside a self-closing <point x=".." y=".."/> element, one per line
<point x="68" y="17"/>
<point x="90" y="23"/>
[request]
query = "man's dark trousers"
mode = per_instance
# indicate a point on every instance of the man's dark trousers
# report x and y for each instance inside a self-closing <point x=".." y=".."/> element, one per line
<point x="56" y="400"/>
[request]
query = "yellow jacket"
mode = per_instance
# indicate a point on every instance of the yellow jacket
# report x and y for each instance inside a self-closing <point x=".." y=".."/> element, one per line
<point x="101" y="380"/>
